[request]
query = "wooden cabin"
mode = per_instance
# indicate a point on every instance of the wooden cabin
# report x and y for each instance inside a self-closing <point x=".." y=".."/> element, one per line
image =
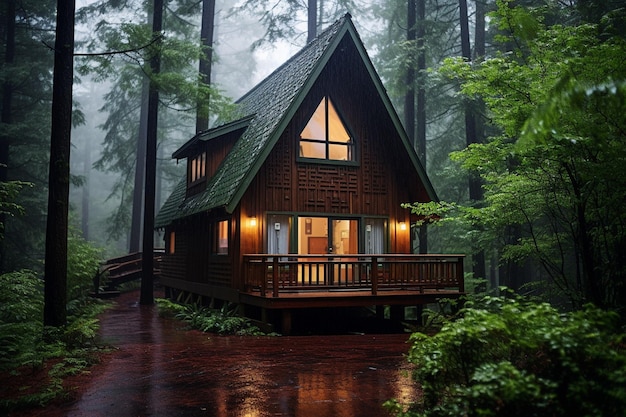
<point x="295" y="203"/>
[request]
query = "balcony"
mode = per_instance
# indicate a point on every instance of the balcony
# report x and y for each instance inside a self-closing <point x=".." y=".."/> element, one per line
<point x="271" y="275"/>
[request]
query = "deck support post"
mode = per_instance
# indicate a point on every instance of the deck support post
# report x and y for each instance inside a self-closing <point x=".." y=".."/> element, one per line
<point x="460" y="274"/>
<point x="286" y="322"/>
<point x="419" y="313"/>
<point x="396" y="313"/>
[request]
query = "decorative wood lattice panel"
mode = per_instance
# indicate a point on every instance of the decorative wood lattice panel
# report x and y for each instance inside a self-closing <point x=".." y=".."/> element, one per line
<point x="327" y="188"/>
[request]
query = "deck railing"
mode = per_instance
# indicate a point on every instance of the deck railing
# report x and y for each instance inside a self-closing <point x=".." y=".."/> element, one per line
<point x="272" y="273"/>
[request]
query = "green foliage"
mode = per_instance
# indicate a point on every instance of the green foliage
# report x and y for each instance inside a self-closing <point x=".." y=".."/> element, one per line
<point x="516" y="357"/>
<point x="24" y="342"/>
<point x="209" y="320"/>
<point x="552" y="171"/>
<point x="83" y="263"/>
<point x="180" y="92"/>
<point x="280" y="19"/>
<point x="21" y="318"/>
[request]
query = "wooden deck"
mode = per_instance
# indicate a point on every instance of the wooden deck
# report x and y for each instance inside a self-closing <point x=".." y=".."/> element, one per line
<point x="292" y="281"/>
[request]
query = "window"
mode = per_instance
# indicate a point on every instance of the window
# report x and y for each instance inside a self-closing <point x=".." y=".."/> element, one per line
<point x="375" y="236"/>
<point x="278" y="233"/>
<point x="220" y="242"/>
<point x="325" y="136"/>
<point x="171" y="244"/>
<point x="197" y="168"/>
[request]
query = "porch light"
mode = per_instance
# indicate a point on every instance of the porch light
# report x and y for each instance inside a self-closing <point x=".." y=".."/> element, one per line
<point x="253" y="221"/>
<point x="402" y="226"/>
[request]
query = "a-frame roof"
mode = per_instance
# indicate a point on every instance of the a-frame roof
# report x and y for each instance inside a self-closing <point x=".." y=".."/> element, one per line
<point x="268" y="109"/>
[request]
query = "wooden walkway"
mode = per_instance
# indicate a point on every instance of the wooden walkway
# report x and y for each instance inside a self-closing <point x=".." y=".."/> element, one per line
<point x="120" y="270"/>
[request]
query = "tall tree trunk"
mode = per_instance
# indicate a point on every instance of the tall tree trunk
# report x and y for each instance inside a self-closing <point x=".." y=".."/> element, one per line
<point x="420" y="138"/>
<point x="475" y="190"/>
<point x="7" y="101"/>
<point x="55" y="270"/>
<point x="147" y="277"/>
<point x="312" y="20"/>
<point x="409" y="96"/>
<point x="206" y="36"/>
<point x="86" y="187"/>
<point x="134" y="244"/>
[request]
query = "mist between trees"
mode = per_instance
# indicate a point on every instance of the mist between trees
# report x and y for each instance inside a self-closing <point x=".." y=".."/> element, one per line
<point x="526" y="96"/>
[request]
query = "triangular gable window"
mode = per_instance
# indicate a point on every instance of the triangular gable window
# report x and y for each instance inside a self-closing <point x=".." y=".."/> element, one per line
<point x="325" y="136"/>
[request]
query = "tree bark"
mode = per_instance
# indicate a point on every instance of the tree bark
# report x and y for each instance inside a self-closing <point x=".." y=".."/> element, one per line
<point x="7" y="101"/>
<point x="409" y="96"/>
<point x="147" y="277"/>
<point x="206" y="59"/>
<point x="420" y="137"/>
<point x="55" y="270"/>
<point x="475" y="189"/>
<point x="312" y="20"/>
<point x="140" y="169"/>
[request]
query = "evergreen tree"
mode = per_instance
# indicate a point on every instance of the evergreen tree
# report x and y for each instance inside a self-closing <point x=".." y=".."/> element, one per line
<point x="181" y="95"/>
<point x="55" y="276"/>
<point x="26" y="79"/>
<point x="552" y="172"/>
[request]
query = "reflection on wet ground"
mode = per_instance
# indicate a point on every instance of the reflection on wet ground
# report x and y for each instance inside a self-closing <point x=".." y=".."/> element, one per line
<point x="159" y="369"/>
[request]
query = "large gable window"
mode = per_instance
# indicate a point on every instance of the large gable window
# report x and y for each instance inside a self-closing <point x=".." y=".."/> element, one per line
<point x="325" y="136"/>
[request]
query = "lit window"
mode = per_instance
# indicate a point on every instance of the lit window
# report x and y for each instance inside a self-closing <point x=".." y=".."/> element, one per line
<point x="221" y="238"/>
<point x="197" y="168"/>
<point x="325" y="136"/>
<point x="171" y="245"/>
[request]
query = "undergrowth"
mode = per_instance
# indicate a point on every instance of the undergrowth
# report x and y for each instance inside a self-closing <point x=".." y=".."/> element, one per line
<point x="223" y="321"/>
<point x="29" y="348"/>
<point x="510" y="356"/>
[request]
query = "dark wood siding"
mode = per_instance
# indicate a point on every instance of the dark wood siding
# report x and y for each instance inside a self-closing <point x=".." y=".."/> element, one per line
<point x="383" y="178"/>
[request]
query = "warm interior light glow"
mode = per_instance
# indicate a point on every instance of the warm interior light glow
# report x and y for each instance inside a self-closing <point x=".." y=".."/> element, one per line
<point x="253" y="221"/>
<point x="402" y="226"/>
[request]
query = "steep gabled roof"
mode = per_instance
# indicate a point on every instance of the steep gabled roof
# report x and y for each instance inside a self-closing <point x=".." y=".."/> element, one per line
<point x="269" y="107"/>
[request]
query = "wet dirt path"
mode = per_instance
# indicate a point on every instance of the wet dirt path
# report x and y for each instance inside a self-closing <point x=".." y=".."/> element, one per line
<point x="160" y="369"/>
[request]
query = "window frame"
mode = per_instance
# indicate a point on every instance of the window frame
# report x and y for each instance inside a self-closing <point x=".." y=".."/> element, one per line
<point x="350" y="145"/>
<point x="196" y="169"/>
<point x="218" y="227"/>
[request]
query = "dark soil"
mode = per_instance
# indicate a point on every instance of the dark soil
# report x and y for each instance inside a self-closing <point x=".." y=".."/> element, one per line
<point x="158" y="368"/>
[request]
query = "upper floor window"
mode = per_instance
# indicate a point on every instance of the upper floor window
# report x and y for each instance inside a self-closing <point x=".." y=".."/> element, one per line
<point x="325" y="136"/>
<point x="197" y="168"/>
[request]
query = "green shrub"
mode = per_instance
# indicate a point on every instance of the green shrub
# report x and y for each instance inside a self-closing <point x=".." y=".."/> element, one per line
<point x="514" y="357"/>
<point x="221" y="321"/>
<point x="21" y="318"/>
<point x="83" y="263"/>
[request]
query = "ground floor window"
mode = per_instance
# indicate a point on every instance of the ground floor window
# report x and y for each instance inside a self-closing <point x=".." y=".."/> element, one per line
<point x="220" y="240"/>
<point x="171" y="244"/>
<point x="278" y="233"/>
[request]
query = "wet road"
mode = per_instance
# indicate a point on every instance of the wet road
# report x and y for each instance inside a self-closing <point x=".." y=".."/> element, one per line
<point x="160" y="369"/>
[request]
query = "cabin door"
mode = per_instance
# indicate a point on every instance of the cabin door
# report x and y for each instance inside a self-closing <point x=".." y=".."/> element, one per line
<point x="328" y="235"/>
<point x="323" y="235"/>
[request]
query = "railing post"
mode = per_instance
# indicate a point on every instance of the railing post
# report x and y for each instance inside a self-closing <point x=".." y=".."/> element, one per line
<point x="374" y="275"/>
<point x="263" y="276"/>
<point x="275" y="277"/>
<point x="460" y="274"/>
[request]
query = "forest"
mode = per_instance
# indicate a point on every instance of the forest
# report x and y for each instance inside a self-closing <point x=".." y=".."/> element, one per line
<point x="517" y="109"/>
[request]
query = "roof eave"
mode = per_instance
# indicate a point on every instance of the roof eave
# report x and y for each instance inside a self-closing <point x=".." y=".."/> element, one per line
<point x="212" y="133"/>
